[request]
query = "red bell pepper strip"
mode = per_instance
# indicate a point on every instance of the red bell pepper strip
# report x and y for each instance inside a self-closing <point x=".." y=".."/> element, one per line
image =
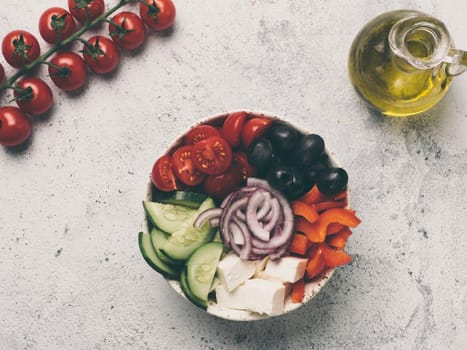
<point x="334" y="257"/>
<point x="322" y="206"/>
<point x="339" y="240"/>
<point x="340" y="215"/>
<point x="305" y="210"/>
<point x="334" y="227"/>
<point x="314" y="196"/>
<point x="299" y="244"/>
<point x="310" y="230"/>
<point x="315" y="263"/>
<point x="298" y="291"/>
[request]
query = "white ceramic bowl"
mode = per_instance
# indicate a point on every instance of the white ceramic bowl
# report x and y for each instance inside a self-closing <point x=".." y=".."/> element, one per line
<point x="311" y="288"/>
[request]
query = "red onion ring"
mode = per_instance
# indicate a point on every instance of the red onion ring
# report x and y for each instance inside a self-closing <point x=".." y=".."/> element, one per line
<point x="279" y="252"/>
<point x="245" y="251"/>
<point x="256" y="221"/>
<point x="255" y="227"/>
<point x="240" y="214"/>
<point x="214" y="222"/>
<point x="226" y="200"/>
<point x="265" y="209"/>
<point x="288" y="221"/>
<point x="237" y="236"/>
<point x="262" y="252"/>
<point x="275" y="210"/>
<point x="206" y="215"/>
<point x="226" y="217"/>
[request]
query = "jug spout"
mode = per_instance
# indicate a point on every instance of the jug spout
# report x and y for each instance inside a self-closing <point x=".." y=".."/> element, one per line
<point x="457" y="60"/>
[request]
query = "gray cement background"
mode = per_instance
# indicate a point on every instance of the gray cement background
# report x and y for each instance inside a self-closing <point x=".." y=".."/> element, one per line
<point x="71" y="276"/>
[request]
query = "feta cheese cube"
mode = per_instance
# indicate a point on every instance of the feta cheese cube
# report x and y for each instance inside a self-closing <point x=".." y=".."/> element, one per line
<point x="287" y="269"/>
<point x="256" y="295"/>
<point x="233" y="271"/>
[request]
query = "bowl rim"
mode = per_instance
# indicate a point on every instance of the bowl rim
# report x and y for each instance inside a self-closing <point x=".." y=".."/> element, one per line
<point x="312" y="288"/>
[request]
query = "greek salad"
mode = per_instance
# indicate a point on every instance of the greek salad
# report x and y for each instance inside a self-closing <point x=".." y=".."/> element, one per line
<point x="245" y="211"/>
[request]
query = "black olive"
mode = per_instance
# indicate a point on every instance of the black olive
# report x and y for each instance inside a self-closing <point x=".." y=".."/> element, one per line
<point x="299" y="186"/>
<point x="316" y="167"/>
<point x="332" y="181"/>
<point x="283" y="136"/>
<point x="289" y="180"/>
<point x="260" y="154"/>
<point x="309" y="149"/>
<point x="281" y="177"/>
<point x="276" y="160"/>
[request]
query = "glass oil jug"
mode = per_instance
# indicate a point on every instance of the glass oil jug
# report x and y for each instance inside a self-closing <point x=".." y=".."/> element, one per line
<point x="402" y="62"/>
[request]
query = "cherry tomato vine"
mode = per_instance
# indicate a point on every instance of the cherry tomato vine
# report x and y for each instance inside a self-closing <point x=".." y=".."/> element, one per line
<point x="67" y="69"/>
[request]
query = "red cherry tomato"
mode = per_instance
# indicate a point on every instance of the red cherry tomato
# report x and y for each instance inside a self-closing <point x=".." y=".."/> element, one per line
<point x="212" y="156"/>
<point x="157" y="14"/>
<point x="200" y="133"/>
<point x="15" y="127"/>
<point x="78" y="9"/>
<point x="34" y="96"/>
<point x="219" y="186"/>
<point x="68" y="71"/>
<point x="232" y="128"/>
<point x="56" y="20"/>
<point x="20" y="47"/>
<point x="162" y="175"/>
<point x="247" y="169"/>
<point x="101" y="54"/>
<point x="182" y="165"/>
<point x="2" y="73"/>
<point x="127" y="30"/>
<point x="253" y="129"/>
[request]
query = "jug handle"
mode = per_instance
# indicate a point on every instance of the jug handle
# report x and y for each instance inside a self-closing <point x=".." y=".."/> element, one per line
<point x="457" y="60"/>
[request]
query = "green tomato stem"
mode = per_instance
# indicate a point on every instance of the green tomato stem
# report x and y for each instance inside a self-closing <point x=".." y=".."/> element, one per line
<point x="60" y="44"/>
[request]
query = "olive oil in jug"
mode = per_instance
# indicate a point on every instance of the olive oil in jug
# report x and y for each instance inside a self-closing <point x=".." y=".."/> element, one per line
<point x="402" y="62"/>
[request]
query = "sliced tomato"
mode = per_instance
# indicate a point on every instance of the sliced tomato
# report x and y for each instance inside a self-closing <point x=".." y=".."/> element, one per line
<point x="254" y="129"/>
<point x="232" y="128"/>
<point x="219" y="186"/>
<point x="162" y="175"/>
<point x="212" y="156"/>
<point x="183" y="167"/>
<point x="200" y="133"/>
<point x="247" y="169"/>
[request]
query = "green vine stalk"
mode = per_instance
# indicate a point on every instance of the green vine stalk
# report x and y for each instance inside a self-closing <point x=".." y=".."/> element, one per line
<point x="60" y="44"/>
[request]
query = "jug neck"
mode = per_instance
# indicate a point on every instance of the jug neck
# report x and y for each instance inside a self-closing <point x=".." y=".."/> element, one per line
<point x="421" y="42"/>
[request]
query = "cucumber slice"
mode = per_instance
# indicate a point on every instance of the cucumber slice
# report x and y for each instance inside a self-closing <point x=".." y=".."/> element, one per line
<point x="158" y="239"/>
<point x="145" y="245"/>
<point x="168" y="217"/>
<point x="203" y="304"/>
<point x="164" y="257"/>
<point x="182" y="243"/>
<point x="201" y="268"/>
<point x="188" y="199"/>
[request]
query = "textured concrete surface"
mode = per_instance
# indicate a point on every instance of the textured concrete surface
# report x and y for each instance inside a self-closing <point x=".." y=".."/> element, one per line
<point x="71" y="276"/>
